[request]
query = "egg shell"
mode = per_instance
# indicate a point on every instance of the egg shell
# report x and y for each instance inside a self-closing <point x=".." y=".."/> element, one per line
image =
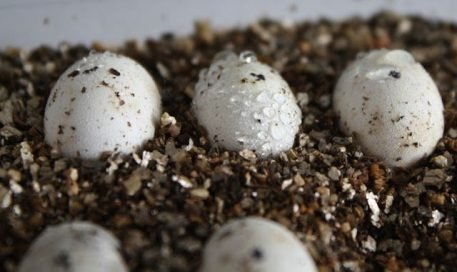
<point x="244" y="104"/>
<point x="104" y="102"/>
<point x="391" y="105"/>
<point x="255" y="244"/>
<point x="75" y="247"/>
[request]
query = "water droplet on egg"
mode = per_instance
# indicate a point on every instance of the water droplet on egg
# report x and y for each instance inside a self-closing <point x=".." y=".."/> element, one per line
<point x="379" y="74"/>
<point x="397" y="57"/>
<point x="284" y="107"/>
<point x="276" y="132"/>
<point x="280" y="98"/>
<point x="248" y="56"/>
<point x="262" y="135"/>
<point x="262" y="97"/>
<point x="266" y="147"/>
<point x="285" y="114"/>
<point x="269" y="112"/>
<point x="284" y="117"/>
<point x="257" y="116"/>
<point x="226" y="55"/>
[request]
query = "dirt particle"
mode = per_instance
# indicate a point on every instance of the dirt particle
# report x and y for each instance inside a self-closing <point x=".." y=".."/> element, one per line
<point x="73" y="74"/>
<point x="395" y="74"/>
<point x="114" y="72"/>
<point x="88" y="71"/>
<point x="62" y="260"/>
<point x="257" y="254"/>
<point x="258" y="77"/>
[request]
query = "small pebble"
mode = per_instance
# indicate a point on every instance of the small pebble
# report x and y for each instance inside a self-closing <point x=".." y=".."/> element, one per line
<point x="440" y="161"/>
<point x="334" y="174"/>
<point x="452" y="133"/>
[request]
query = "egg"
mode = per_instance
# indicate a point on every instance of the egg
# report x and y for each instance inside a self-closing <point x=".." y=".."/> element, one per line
<point x="76" y="247"/>
<point x="391" y="105"/>
<point x="244" y="104"/>
<point x="255" y="244"/>
<point x="104" y="102"/>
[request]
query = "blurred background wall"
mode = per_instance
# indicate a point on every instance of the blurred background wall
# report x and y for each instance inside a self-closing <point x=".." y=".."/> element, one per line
<point x="29" y="23"/>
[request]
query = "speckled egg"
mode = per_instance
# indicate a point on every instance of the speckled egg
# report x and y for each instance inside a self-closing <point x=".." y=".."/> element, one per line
<point x="255" y="244"/>
<point x="244" y="104"/>
<point x="75" y="247"/>
<point x="104" y="102"/>
<point x="391" y="105"/>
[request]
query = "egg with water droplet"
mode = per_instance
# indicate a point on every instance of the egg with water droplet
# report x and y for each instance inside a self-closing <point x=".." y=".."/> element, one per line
<point x="255" y="244"/>
<point x="104" y="102"/>
<point x="392" y="106"/>
<point x="238" y="97"/>
<point x="76" y="247"/>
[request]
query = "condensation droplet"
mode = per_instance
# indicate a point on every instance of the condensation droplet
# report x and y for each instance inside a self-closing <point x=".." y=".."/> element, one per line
<point x="276" y="132"/>
<point x="225" y="55"/>
<point x="262" y="135"/>
<point x="284" y="107"/>
<point x="262" y="97"/>
<point x="280" y="98"/>
<point x="233" y="99"/>
<point x="284" y="114"/>
<point x="244" y="114"/>
<point x="248" y="56"/>
<point x="397" y="57"/>
<point x="269" y="112"/>
<point x="257" y="115"/>
<point x="284" y="117"/>
<point x="379" y="74"/>
<point x="266" y="148"/>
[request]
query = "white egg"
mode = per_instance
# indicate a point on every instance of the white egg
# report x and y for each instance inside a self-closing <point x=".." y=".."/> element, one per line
<point x="255" y="244"/>
<point x="75" y="247"/>
<point x="104" y="102"/>
<point x="244" y="104"/>
<point x="392" y="106"/>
